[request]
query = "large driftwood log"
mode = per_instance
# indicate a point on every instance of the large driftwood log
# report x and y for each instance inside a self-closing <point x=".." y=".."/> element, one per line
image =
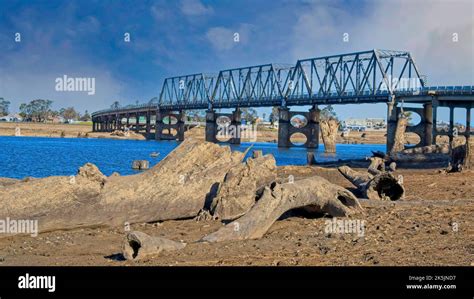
<point x="328" y="134"/>
<point x="237" y="193"/>
<point x="177" y="187"/>
<point x="429" y="149"/>
<point x="381" y="186"/>
<point x="315" y="193"/>
<point x="377" y="163"/>
<point x="138" y="245"/>
<point x="419" y="158"/>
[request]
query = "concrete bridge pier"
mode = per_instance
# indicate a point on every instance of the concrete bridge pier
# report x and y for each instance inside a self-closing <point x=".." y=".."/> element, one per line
<point x="181" y="116"/>
<point x="118" y="122"/>
<point x="392" y="118"/>
<point x="213" y="128"/>
<point x="163" y="122"/>
<point x="94" y="125"/>
<point x="451" y="133"/>
<point x="313" y="129"/>
<point x="109" y="123"/>
<point x="310" y="130"/>
<point x="137" y="122"/>
<point x="236" y="123"/>
<point x="283" y="127"/>
<point x="148" y="125"/>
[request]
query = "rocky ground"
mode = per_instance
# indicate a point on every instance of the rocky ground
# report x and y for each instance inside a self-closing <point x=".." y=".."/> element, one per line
<point x="433" y="225"/>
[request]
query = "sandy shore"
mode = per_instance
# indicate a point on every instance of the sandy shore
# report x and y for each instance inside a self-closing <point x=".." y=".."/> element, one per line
<point x="58" y="130"/>
<point x="432" y="226"/>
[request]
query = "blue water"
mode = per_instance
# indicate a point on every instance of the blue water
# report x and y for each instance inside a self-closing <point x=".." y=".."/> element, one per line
<point x="40" y="157"/>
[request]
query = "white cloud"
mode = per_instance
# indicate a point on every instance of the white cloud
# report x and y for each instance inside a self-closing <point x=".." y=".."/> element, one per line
<point x="159" y="12"/>
<point x="195" y="8"/>
<point x="425" y="28"/>
<point x="222" y="38"/>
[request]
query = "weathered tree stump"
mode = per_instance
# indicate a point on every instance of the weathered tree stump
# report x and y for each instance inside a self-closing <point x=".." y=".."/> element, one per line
<point x="329" y="133"/>
<point x="140" y="165"/>
<point x="257" y="154"/>
<point x="381" y="186"/>
<point x="311" y="160"/>
<point x="399" y="142"/>
<point x="138" y="245"/>
<point x="462" y="157"/>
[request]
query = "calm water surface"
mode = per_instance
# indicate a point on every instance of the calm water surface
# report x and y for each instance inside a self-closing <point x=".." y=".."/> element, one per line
<point x="41" y="157"/>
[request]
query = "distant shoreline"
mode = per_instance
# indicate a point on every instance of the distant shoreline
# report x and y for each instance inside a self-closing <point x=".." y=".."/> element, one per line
<point x="85" y="130"/>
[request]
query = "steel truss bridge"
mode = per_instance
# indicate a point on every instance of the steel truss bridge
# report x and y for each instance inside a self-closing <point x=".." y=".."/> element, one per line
<point x="374" y="76"/>
<point x="363" y="77"/>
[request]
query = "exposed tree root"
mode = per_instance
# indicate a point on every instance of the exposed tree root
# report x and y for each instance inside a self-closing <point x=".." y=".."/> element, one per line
<point x="381" y="186"/>
<point x="315" y="193"/>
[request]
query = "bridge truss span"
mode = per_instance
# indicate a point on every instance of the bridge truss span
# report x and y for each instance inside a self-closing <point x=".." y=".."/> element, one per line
<point x="374" y="76"/>
<point x="370" y="76"/>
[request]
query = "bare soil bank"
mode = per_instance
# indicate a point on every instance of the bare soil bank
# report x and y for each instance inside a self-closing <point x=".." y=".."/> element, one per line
<point x="432" y="226"/>
<point x="58" y="130"/>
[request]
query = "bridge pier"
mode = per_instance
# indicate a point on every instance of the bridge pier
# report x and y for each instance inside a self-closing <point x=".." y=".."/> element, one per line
<point x="107" y="124"/>
<point x="451" y="131"/>
<point x="392" y="119"/>
<point x="118" y="122"/>
<point x="148" y="125"/>
<point x="137" y="122"/>
<point x="213" y="129"/>
<point x="310" y="130"/>
<point x="211" y="126"/>
<point x="160" y="125"/>
<point x="424" y="129"/>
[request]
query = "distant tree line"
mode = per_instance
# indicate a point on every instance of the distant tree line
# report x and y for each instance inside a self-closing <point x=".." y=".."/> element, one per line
<point x="4" y="105"/>
<point x="40" y="110"/>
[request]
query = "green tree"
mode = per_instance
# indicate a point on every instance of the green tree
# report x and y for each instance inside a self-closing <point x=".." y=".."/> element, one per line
<point x="4" y="105"/>
<point x="328" y="112"/>
<point x="249" y="114"/>
<point x="274" y="115"/>
<point x="196" y="115"/>
<point x="85" y="117"/>
<point x="115" y="105"/>
<point x="69" y="113"/>
<point x="36" y="110"/>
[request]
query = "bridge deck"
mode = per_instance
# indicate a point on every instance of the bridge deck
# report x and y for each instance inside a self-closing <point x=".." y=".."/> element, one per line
<point x="422" y="95"/>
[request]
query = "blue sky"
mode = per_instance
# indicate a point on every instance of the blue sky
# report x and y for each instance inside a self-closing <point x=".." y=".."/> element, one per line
<point x="86" y="39"/>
